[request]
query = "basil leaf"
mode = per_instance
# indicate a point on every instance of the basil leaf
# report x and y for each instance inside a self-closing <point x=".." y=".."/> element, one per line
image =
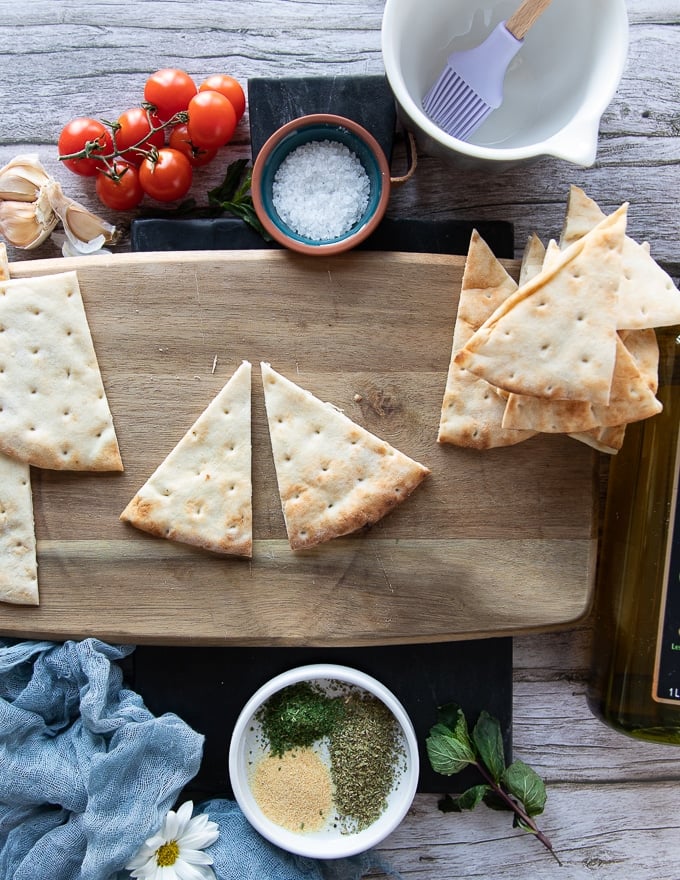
<point x="488" y="739"/>
<point x="527" y="786"/>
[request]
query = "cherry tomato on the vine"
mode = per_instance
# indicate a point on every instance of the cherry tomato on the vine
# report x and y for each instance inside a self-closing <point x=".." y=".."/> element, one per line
<point x="169" y="90"/>
<point x="166" y="176"/>
<point x="227" y="86"/>
<point x="76" y="135"/>
<point x="120" y="188"/>
<point x="135" y="130"/>
<point x="212" y="120"/>
<point x="180" y="140"/>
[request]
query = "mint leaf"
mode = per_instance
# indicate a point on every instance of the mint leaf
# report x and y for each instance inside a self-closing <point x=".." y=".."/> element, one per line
<point x="227" y="190"/>
<point x="488" y="739"/>
<point x="471" y="798"/>
<point x="451" y="715"/>
<point x="516" y="788"/>
<point x="447" y="752"/>
<point x="233" y="196"/>
<point x="527" y="786"/>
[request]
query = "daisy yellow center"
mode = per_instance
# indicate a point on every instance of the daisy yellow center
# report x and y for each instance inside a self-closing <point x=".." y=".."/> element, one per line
<point x="167" y="854"/>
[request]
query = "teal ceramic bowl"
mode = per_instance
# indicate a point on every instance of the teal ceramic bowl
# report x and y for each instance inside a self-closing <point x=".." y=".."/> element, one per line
<point x="306" y="130"/>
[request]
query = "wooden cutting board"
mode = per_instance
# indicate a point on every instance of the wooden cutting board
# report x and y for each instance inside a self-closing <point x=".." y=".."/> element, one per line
<point x="493" y="543"/>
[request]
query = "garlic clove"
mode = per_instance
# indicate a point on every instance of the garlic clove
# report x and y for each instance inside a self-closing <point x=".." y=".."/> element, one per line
<point x="22" y="179"/>
<point x="81" y="226"/>
<point x="23" y="225"/>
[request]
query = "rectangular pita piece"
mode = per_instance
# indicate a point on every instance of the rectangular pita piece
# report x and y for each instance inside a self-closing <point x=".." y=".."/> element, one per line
<point x="555" y="337"/>
<point x="54" y="412"/>
<point x="18" y="563"/>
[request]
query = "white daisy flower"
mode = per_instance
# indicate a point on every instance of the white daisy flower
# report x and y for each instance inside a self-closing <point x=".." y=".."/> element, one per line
<point x="175" y="852"/>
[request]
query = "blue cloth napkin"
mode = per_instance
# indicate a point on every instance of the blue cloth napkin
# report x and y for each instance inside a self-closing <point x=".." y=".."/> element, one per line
<point x="87" y="774"/>
<point x="87" y="771"/>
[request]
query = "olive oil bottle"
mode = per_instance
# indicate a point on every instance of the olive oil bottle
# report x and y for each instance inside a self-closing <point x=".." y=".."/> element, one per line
<point x="635" y="675"/>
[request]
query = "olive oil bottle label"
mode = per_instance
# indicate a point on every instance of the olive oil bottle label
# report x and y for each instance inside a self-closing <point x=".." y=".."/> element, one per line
<point x="666" y="682"/>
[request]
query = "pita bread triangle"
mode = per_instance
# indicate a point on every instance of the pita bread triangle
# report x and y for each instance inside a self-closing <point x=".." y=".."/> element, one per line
<point x="201" y="494"/>
<point x="555" y="336"/>
<point x="532" y="259"/>
<point x="333" y="475"/>
<point x="471" y="409"/>
<point x="54" y="412"/>
<point x="647" y="295"/>
<point x="632" y="399"/>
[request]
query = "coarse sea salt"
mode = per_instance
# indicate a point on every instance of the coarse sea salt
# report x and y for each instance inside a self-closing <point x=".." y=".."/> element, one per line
<point x="321" y="190"/>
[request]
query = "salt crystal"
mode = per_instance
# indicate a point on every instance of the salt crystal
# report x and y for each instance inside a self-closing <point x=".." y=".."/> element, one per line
<point x="321" y="190"/>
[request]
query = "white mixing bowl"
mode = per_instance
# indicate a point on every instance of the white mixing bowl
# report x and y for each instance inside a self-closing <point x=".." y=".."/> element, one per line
<point x="555" y="90"/>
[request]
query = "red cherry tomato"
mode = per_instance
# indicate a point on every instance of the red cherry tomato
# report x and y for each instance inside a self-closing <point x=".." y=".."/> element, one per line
<point x="136" y="125"/>
<point x="76" y="135"/>
<point x="169" y="90"/>
<point x="227" y="86"/>
<point x="166" y="176"/>
<point x="180" y="140"/>
<point x="212" y="120"/>
<point x="120" y="190"/>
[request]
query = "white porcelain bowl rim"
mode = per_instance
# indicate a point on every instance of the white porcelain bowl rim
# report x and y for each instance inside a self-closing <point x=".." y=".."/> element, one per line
<point x="345" y="845"/>
<point x="586" y="121"/>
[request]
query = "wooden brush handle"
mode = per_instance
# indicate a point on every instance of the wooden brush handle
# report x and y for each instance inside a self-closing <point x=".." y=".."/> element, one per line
<point x="520" y="21"/>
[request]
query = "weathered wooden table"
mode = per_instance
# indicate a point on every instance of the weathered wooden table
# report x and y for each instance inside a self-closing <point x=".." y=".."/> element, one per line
<point x="614" y="805"/>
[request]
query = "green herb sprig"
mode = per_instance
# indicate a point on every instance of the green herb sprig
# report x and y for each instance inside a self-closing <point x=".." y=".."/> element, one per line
<point x="233" y="196"/>
<point x="515" y="787"/>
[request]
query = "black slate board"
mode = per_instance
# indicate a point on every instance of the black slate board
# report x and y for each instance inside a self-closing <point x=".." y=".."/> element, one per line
<point x="274" y="101"/>
<point x="393" y="234"/>
<point x="208" y="687"/>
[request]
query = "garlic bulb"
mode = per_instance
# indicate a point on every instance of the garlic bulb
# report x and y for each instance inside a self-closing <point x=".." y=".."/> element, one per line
<point x="22" y="179"/>
<point x="26" y="224"/>
<point x="32" y="204"/>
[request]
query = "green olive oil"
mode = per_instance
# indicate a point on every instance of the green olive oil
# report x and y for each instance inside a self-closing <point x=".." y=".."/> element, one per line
<point x="635" y="676"/>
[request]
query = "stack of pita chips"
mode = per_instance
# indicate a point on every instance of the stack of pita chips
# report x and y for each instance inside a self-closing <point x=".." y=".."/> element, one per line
<point x="571" y="349"/>
<point x="54" y="411"/>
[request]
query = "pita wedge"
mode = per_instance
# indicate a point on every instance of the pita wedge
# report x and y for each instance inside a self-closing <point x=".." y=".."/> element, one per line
<point x="18" y="564"/>
<point x="54" y="412"/>
<point x="647" y="295"/>
<point x="333" y="475"/>
<point x="472" y="410"/>
<point x="632" y="399"/>
<point x="532" y="259"/>
<point x="201" y="494"/>
<point x="555" y="337"/>
<point x="608" y="440"/>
